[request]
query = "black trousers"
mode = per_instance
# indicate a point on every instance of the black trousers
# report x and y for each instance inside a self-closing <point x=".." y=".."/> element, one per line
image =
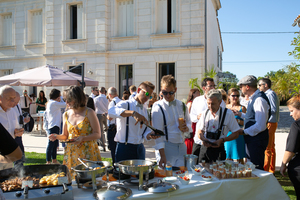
<point x="111" y="133"/>
<point x="196" y="151"/>
<point x="294" y="174"/>
<point x="211" y="154"/>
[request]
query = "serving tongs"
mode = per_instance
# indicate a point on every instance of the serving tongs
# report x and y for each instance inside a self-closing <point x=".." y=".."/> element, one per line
<point x="87" y="167"/>
<point x="95" y="162"/>
<point x="156" y="131"/>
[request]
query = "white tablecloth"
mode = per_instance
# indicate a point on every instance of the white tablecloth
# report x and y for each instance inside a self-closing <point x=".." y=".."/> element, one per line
<point x="264" y="188"/>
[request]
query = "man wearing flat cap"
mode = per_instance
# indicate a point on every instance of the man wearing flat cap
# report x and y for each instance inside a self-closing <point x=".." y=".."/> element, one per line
<point x="256" y="118"/>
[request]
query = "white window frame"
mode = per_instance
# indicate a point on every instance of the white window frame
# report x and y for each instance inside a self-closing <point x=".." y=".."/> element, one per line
<point x="4" y="30"/>
<point x="67" y="21"/>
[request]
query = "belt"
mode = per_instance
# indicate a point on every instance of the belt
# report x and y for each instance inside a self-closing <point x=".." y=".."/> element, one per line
<point x="129" y="143"/>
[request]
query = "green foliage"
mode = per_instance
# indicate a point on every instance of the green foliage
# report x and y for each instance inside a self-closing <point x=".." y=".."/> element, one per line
<point x="225" y="84"/>
<point x="285" y="82"/>
<point x="296" y="43"/>
<point x="33" y="158"/>
<point x="211" y="73"/>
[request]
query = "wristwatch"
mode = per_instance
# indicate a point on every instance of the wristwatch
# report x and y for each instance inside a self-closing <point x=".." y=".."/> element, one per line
<point x="133" y="113"/>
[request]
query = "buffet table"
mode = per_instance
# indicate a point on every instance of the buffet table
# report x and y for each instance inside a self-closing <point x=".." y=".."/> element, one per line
<point x="265" y="187"/>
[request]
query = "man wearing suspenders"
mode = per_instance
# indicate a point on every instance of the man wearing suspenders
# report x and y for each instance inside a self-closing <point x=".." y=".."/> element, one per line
<point x="165" y="116"/>
<point x="131" y="119"/>
<point x="213" y="127"/>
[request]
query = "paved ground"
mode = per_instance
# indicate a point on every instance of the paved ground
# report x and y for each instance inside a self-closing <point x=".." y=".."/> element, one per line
<point x="36" y="142"/>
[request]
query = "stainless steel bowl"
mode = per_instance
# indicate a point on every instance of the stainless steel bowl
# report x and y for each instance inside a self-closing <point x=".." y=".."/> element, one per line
<point x="84" y="174"/>
<point x="134" y="167"/>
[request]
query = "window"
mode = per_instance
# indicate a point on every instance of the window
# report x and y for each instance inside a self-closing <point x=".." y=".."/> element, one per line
<point x="125" y="78"/>
<point x="36" y="27"/>
<point x="76" y="70"/>
<point x="166" y="69"/>
<point x="6" y="29"/>
<point x="166" y="16"/>
<point x="6" y="72"/>
<point x="125" y="18"/>
<point x="76" y="21"/>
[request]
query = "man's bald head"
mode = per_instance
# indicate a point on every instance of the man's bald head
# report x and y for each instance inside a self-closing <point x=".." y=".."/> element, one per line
<point x="7" y="97"/>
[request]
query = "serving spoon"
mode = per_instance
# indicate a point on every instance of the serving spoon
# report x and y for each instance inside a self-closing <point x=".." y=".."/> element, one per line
<point x="87" y="167"/>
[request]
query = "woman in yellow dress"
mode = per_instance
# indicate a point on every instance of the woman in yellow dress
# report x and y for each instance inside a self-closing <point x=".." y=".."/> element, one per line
<point x="81" y="124"/>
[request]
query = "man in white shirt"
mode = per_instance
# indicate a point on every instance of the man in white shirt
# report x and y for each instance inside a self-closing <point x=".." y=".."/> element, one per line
<point x="213" y="127"/>
<point x="22" y="121"/>
<point x="270" y="153"/>
<point x="112" y="125"/>
<point x="8" y="116"/>
<point x="95" y="92"/>
<point x="131" y="119"/>
<point x="101" y="108"/>
<point x="132" y="90"/>
<point x="54" y="117"/>
<point x="256" y="118"/>
<point x="25" y="101"/>
<point x="198" y="106"/>
<point x="165" y="116"/>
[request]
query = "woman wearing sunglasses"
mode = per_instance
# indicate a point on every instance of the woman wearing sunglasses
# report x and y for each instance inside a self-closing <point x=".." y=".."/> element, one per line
<point x="235" y="149"/>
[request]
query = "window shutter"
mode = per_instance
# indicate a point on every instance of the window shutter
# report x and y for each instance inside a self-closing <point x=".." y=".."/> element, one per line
<point x="129" y="18"/>
<point x="162" y="23"/>
<point x="122" y="18"/>
<point x="7" y="27"/>
<point x="40" y="27"/>
<point x="79" y="21"/>
<point x="173" y="16"/>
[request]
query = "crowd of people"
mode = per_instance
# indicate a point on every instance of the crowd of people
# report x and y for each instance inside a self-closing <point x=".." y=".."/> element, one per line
<point x="238" y="125"/>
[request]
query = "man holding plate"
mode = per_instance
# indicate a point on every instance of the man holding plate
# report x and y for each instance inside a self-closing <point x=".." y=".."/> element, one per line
<point x="213" y="127"/>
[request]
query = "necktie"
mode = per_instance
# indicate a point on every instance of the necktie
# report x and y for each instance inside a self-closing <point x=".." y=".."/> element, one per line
<point x="172" y="103"/>
<point x="25" y="101"/>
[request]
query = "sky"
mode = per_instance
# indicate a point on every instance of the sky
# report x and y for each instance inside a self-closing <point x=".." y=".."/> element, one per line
<point x="257" y="54"/>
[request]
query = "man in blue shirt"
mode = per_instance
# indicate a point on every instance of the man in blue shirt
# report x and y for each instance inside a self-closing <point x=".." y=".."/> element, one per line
<point x="264" y="85"/>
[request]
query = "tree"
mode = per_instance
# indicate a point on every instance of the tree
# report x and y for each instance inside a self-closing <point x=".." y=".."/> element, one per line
<point x="296" y="43"/>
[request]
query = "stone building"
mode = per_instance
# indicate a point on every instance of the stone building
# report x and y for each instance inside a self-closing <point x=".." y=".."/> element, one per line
<point x="120" y="42"/>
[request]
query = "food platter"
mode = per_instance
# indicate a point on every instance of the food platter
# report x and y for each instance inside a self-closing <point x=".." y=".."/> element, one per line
<point x="229" y="170"/>
<point x="68" y="141"/>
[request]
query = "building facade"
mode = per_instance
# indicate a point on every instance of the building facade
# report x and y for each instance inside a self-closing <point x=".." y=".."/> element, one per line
<point x="121" y="42"/>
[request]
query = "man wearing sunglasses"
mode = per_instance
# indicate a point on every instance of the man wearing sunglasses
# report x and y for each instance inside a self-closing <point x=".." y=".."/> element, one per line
<point x="264" y="85"/>
<point x="131" y="117"/>
<point x="198" y="106"/>
<point x="165" y="117"/>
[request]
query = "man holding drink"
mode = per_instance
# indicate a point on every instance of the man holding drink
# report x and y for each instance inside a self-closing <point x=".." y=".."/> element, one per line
<point x="171" y="116"/>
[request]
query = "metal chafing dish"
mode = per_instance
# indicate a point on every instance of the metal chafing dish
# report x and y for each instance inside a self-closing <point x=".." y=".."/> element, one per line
<point x="85" y="175"/>
<point x="113" y="192"/>
<point x="136" y="167"/>
<point x="160" y="187"/>
<point x="44" y="192"/>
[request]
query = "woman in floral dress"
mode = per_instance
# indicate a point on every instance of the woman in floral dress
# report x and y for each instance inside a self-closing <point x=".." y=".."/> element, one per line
<point x="80" y="123"/>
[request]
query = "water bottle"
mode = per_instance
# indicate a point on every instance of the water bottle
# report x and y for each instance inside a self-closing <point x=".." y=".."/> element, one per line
<point x="169" y="171"/>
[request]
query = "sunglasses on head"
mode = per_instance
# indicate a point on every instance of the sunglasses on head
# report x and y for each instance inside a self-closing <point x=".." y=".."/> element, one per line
<point x="166" y="93"/>
<point x="146" y="93"/>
